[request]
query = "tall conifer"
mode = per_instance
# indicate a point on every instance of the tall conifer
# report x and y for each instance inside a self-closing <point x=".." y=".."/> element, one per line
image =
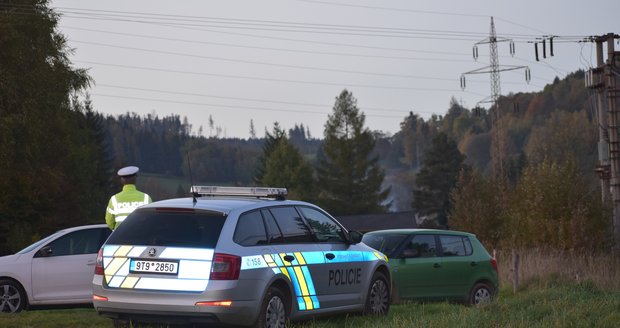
<point x="349" y="175"/>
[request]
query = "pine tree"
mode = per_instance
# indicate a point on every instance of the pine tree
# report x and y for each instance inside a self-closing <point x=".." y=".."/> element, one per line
<point x="252" y="130"/>
<point x="349" y="176"/>
<point x="95" y="171"/>
<point x="439" y="174"/>
<point x="271" y="141"/>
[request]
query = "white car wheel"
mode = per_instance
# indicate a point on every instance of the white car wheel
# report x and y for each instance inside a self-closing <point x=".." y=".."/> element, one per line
<point x="12" y="297"/>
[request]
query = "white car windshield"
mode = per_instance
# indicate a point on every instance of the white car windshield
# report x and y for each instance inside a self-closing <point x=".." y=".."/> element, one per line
<point x="35" y="245"/>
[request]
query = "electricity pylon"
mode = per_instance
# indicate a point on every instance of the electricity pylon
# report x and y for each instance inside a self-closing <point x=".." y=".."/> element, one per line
<point x="498" y="145"/>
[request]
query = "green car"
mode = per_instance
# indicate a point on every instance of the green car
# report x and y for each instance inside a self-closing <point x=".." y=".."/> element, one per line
<point x="437" y="264"/>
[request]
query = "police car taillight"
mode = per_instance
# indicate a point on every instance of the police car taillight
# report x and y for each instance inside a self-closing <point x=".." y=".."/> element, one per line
<point x="225" y="267"/>
<point x="99" y="264"/>
<point x="99" y="298"/>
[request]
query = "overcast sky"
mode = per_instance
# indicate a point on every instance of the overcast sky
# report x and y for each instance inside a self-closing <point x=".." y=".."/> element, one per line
<point x="287" y="60"/>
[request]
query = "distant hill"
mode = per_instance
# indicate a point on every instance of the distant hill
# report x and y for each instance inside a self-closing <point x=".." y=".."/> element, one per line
<point x="556" y="122"/>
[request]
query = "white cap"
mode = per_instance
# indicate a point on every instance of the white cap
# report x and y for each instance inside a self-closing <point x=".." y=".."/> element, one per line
<point x="128" y="171"/>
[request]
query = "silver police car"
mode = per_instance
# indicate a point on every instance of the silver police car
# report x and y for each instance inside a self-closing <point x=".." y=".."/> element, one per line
<point x="236" y="256"/>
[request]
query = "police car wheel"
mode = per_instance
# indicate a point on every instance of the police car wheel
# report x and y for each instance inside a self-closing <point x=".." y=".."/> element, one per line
<point x="378" y="299"/>
<point x="274" y="313"/>
<point x="12" y="297"/>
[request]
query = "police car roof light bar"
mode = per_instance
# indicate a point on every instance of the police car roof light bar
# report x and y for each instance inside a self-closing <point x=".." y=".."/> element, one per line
<point x="266" y="192"/>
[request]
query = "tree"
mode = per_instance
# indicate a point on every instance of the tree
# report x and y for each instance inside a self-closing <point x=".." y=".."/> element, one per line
<point x="271" y="141"/>
<point x="285" y="167"/>
<point x="42" y="150"/>
<point x="554" y="206"/>
<point x="563" y="137"/>
<point x="417" y="136"/>
<point x="476" y="209"/>
<point x="349" y="177"/>
<point x="434" y="182"/>
<point x="96" y="171"/>
<point x="211" y="126"/>
<point x="252" y="130"/>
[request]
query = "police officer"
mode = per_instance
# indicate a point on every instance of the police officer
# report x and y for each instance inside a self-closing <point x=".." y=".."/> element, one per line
<point x="123" y="203"/>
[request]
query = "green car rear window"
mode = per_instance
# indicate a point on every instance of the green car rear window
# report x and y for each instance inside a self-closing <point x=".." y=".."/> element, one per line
<point x="455" y="245"/>
<point x="171" y="229"/>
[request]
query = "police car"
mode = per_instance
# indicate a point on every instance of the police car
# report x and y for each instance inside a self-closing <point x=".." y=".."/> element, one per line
<point x="236" y="256"/>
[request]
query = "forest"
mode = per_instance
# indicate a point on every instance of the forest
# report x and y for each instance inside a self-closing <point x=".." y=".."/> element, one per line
<point x="556" y="123"/>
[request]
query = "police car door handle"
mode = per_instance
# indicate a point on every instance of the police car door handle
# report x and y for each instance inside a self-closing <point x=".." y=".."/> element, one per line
<point x="289" y="258"/>
<point x="330" y="256"/>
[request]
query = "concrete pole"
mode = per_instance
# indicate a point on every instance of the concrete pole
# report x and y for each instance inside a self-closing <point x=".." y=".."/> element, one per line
<point x="614" y="142"/>
<point x="603" y="143"/>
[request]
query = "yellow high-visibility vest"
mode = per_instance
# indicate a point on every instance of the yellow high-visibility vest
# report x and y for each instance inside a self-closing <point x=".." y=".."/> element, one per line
<point x="123" y="203"/>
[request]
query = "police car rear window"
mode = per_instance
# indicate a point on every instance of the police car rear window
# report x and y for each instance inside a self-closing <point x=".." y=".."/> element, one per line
<point x="172" y="229"/>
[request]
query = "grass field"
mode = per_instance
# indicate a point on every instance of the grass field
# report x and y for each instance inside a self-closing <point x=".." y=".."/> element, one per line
<point x="543" y="302"/>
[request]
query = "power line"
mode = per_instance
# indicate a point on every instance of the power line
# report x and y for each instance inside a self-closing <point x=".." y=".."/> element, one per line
<point x="264" y="63"/>
<point x="425" y="36"/>
<point x="253" y="23"/>
<point x="395" y="9"/>
<point x="163" y="19"/>
<point x="242" y="98"/>
<point x="341" y="44"/>
<point x="271" y="79"/>
<point x="277" y="65"/>
<point x="235" y="106"/>
<point x="349" y="54"/>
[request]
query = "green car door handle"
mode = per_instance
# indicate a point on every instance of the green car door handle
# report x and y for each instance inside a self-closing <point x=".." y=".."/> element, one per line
<point x="436" y="265"/>
<point x="473" y="264"/>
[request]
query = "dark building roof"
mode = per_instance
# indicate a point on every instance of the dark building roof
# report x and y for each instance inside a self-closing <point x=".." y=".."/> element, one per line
<point x="371" y="222"/>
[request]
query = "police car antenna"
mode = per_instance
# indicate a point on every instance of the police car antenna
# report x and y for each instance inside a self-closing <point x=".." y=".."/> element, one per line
<point x="191" y="180"/>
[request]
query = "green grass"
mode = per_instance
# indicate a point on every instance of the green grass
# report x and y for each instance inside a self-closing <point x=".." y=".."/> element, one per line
<point x="547" y="302"/>
<point x="84" y="317"/>
<point x="558" y="305"/>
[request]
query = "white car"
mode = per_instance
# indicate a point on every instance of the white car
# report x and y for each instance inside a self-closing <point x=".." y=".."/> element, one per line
<point x="55" y="270"/>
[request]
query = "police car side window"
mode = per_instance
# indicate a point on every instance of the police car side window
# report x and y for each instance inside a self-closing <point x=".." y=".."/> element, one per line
<point x="324" y="228"/>
<point x="273" y="232"/>
<point x="250" y="230"/>
<point x="291" y="224"/>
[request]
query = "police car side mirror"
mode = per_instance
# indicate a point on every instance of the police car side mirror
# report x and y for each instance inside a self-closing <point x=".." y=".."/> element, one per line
<point x="355" y="237"/>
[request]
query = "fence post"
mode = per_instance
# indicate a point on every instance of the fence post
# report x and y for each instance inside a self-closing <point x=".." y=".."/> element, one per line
<point x="515" y="271"/>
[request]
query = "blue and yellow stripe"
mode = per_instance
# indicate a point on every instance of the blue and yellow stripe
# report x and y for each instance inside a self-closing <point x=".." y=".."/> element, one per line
<point x="299" y="275"/>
